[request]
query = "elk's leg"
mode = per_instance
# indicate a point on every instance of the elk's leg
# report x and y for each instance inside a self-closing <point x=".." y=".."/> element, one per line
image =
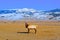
<point x="28" y="30"/>
<point x="35" y="30"/>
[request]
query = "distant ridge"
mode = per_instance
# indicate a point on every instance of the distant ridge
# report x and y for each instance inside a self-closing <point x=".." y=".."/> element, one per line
<point x="54" y="10"/>
<point x="7" y="11"/>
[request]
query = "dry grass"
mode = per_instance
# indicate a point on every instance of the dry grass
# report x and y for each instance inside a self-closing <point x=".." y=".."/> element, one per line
<point x="46" y="30"/>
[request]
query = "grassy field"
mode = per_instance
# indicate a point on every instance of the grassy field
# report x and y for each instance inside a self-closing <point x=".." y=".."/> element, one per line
<point x="46" y="30"/>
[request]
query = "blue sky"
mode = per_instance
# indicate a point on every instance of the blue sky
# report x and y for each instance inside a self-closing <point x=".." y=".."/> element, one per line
<point x="35" y="4"/>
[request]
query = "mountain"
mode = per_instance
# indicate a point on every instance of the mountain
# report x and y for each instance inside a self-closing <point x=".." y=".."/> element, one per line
<point x="55" y="13"/>
<point x="29" y="14"/>
<point x="55" y="10"/>
<point x="7" y="11"/>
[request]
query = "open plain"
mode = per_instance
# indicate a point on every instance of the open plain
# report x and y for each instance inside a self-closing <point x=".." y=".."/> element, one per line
<point x="15" y="30"/>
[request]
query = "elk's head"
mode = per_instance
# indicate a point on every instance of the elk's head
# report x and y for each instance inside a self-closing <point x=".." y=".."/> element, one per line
<point x="26" y="25"/>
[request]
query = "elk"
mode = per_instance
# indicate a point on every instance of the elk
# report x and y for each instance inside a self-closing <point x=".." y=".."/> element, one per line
<point x="30" y="27"/>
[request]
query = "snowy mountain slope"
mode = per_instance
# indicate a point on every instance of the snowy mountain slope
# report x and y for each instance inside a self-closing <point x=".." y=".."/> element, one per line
<point x="25" y="13"/>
